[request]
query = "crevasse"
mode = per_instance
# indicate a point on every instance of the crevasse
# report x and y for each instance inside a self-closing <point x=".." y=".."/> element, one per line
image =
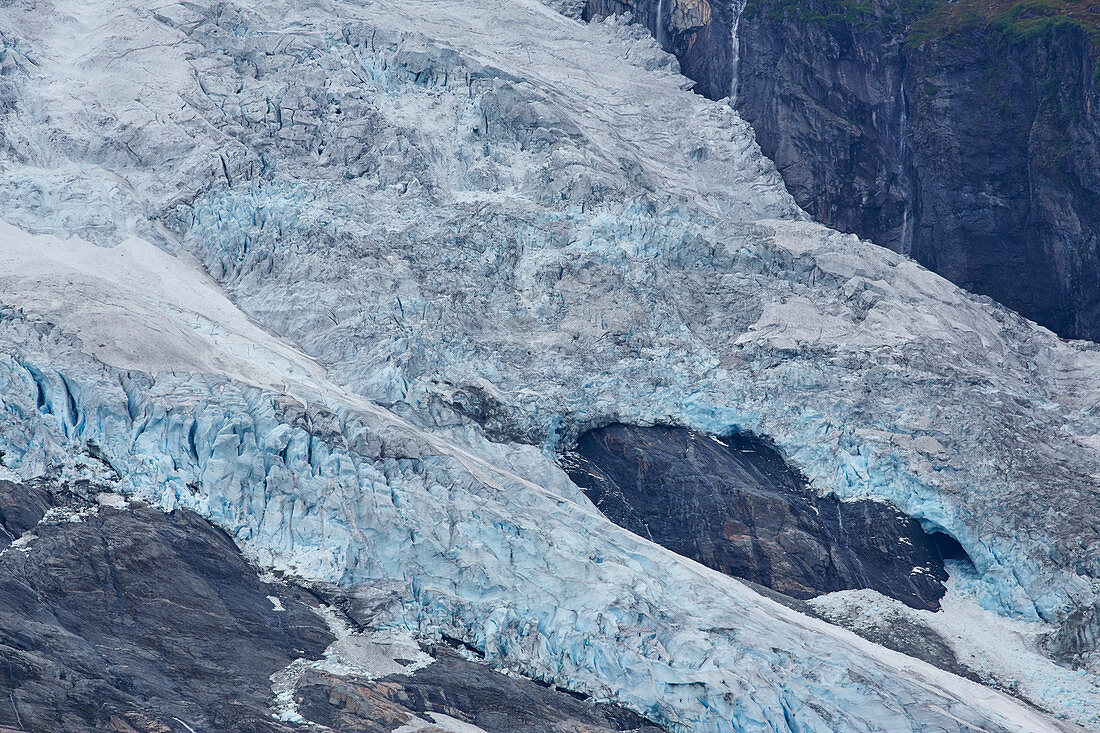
<point x="493" y="220"/>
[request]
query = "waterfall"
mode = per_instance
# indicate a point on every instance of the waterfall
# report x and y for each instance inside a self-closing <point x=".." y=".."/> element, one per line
<point x="660" y="32"/>
<point x="735" y="52"/>
<point x="907" y="192"/>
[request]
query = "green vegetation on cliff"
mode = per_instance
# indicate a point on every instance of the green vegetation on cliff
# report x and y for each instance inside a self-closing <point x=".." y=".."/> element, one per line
<point x="920" y="21"/>
<point x="1014" y="20"/>
<point x="860" y="15"/>
<point x="1017" y="20"/>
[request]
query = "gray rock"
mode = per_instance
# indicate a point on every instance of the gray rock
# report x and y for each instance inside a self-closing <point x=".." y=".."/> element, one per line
<point x="698" y="32"/>
<point x="461" y="689"/>
<point x="972" y="147"/>
<point x="21" y="506"/>
<point x="736" y="506"/>
<point x="137" y="620"/>
<point x="976" y="152"/>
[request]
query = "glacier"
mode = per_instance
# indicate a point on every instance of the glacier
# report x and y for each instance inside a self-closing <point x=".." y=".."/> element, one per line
<point x="343" y="277"/>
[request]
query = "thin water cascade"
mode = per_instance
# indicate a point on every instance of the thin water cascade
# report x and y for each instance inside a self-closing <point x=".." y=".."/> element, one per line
<point x="660" y="31"/>
<point x="735" y="52"/>
<point x="907" y="192"/>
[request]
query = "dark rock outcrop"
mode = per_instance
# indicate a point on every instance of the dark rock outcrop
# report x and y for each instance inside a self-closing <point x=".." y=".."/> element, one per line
<point x="137" y="620"/>
<point x="698" y="32"/>
<point x="21" y="507"/>
<point x="460" y="689"/>
<point x="965" y="138"/>
<point x="832" y="114"/>
<point x="734" y="505"/>
<point x="964" y="134"/>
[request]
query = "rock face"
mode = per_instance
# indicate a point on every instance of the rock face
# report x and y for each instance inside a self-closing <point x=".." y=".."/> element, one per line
<point x="734" y="505"/>
<point x="698" y="32"/>
<point x="966" y="136"/>
<point x="830" y="112"/>
<point x="453" y="688"/>
<point x="127" y="619"/>
<point x="971" y="143"/>
<point x="135" y="620"/>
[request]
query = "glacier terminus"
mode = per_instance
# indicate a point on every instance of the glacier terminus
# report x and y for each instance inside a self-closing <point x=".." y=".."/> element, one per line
<point x="347" y="279"/>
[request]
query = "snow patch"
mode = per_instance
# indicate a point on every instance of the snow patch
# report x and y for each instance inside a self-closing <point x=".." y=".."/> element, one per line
<point x="68" y="514"/>
<point x="112" y="500"/>
<point x="366" y="655"/>
<point x="1004" y="652"/>
<point x="21" y="543"/>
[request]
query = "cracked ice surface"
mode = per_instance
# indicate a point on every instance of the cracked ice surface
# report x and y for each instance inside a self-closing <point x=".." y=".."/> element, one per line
<point x="485" y="204"/>
<point x="542" y="583"/>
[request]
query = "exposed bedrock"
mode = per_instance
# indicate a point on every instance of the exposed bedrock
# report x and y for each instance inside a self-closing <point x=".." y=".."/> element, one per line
<point x="455" y="688"/>
<point x="833" y="117"/>
<point x="698" y="32"/>
<point x="965" y="136"/>
<point x="133" y="620"/>
<point x="127" y="619"/>
<point x="574" y="245"/>
<point x="971" y="143"/>
<point x="734" y="505"/>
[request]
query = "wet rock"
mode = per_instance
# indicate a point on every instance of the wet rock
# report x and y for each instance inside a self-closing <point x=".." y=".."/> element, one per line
<point x="734" y="505"/>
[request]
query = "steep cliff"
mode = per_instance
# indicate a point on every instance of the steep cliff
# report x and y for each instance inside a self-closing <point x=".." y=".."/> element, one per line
<point x="698" y="32"/>
<point x="965" y="135"/>
<point x="825" y="98"/>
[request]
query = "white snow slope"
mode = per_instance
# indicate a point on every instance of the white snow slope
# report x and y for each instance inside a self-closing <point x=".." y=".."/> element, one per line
<point x="415" y="212"/>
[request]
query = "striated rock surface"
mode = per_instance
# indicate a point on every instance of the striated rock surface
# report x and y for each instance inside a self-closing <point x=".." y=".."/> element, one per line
<point x="734" y="505"/>
<point x="965" y="135"/>
<point x="135" y="620"/>
<point x="824" y="94"/>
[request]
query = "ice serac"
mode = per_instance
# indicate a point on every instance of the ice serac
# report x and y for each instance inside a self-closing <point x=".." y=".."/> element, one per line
<point x="288" y="264"/>
<point x="441" y="541"/>
<point x="697" y="32"/>
<point x="118" y="617"/>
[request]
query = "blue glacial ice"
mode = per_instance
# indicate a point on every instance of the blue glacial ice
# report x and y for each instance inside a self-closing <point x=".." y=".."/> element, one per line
<point x="427" y="223"/>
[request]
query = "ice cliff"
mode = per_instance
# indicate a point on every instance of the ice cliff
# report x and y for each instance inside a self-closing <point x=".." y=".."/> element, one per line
<point x="292" y="265"/>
